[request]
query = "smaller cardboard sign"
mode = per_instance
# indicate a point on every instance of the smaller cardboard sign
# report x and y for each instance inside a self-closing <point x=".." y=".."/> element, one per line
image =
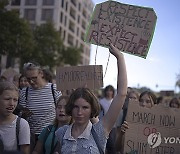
<point x="68" y="78"/>
<point x="128" y="27"/>
<point x="163" y="123"/>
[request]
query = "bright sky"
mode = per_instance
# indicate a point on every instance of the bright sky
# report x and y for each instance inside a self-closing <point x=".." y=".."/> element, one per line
<point x="163" y="60"/>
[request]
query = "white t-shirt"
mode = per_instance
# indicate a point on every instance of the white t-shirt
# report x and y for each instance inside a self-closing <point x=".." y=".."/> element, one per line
<point x="105" y="103"/>
<point x="8" y="134"/>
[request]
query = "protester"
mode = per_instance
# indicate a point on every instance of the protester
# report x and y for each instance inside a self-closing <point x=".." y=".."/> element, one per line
<point x="147" y="99"/>
<point x="47" y="141"/>
<point x="23" y="83"/>
<point x="82" y="136"/>
<point x="14" y="131"/>
<point x="40" y="98"/>
<point x="105" y="103"/>
<point x="174" y="103"/>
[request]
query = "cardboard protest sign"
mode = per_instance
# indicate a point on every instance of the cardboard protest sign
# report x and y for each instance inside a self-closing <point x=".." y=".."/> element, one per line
<point x="152" y="131"/>
<point x="73" y="77"/>
<point x="130" y="28"/>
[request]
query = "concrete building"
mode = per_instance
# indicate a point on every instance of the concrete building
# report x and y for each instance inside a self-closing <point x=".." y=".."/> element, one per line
<point x="70" y="18"/>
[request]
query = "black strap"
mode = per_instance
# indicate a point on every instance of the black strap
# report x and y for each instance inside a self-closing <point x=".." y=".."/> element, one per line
<point x="17" y="131"/>
<point x="52" y="89"/>
<point x="26" y="94"/>
<point x="96" y="139"/>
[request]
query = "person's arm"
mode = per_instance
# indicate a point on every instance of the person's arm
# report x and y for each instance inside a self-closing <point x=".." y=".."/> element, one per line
<point x="38" y="148"/>
<point x="25" y="148"/>
<point x="110" y="117"/>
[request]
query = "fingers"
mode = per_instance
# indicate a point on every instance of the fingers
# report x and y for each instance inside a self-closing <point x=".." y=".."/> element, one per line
<point x="124" y="126"/>
<point x="115" y="51"/>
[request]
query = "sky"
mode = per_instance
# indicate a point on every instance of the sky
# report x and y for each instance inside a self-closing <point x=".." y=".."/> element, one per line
<point x="159" y="70"/>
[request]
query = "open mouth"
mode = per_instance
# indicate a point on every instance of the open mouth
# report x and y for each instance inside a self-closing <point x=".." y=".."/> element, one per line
<point x="10" y="109"/>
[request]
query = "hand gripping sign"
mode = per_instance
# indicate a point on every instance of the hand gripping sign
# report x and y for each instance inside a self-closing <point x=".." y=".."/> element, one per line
<point x="130" y="28"/>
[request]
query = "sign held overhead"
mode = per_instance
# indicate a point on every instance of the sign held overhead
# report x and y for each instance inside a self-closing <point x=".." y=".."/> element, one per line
<point x="130" y="28"/>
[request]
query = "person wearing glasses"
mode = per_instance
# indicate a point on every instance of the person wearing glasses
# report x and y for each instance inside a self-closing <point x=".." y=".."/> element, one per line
<point x="40" y="98"/>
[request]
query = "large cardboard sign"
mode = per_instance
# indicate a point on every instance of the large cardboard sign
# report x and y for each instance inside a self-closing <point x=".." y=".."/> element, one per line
<point x="152" y="131"/>
<point x="68" y="78"/>
<point x="130" y="28"/>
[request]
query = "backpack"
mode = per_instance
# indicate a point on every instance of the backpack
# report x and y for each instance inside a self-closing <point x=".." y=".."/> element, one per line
<point x="25" y="112"/>
<point x="48" y="130"/>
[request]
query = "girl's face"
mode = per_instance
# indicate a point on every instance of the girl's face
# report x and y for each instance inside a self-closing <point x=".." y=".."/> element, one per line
<point x="81" y="112"/>
<point x="146" y="101"/>
<point x="174" y="105"/>
<point x="23" y="82"/>
<point x="8" y="102"/>
<point x="133" y="97"/>
<point x="61" y="113"/>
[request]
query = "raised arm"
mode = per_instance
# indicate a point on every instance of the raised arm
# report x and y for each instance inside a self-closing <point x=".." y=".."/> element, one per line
<point x="110" y="118"/>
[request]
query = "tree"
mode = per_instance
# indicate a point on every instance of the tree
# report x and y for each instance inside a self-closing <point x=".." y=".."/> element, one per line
<point x="72" y="56"/>
<point x="48" y="45"/>
<point x="16" y="35"/>
<point x="49" y="49"/>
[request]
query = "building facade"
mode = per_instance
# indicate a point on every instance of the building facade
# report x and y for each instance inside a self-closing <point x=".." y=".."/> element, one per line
<point x="70" y="18"/>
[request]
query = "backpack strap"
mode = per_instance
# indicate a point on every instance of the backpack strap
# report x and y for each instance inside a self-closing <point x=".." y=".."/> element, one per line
<point x="52" y="89"/>
<point x="26" y="94"/>
<point x="96" y="139"/>
<point x="17" y="131"/>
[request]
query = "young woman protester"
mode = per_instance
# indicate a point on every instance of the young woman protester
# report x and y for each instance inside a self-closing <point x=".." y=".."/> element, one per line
<point x="47" y="141"/>
<point x="82" y="136"/>
<point x="14" y="131"/>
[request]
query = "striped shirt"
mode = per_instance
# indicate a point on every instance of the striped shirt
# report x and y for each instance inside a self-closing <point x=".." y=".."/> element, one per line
<point x="41" y="103"/>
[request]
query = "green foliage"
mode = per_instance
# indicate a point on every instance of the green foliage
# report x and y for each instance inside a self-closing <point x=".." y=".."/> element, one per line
<point x="48" y="45"/>
<point x="42" y="44"/>
<point x="72" y="56"/>
<point x="15" y="36"/>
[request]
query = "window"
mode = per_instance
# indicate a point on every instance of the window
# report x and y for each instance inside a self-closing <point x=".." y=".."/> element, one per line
<point x="16" y="2"/>
<point x="84" y="13"/>
<point x="70" y="39"/>
<point x="62" y="3"/>
<point x="61" y="17"/>
<point x="47" y="14"/>
<point x="30" y="2"/>
<point x="77" y="33"/>
<point x="72" y="13"/>
<point x="79" y="7"/>
<point x="83" y="24"/>
<point x="66" y="6"/>
<point x="82" y="36"/>
<point x="78" y="18"/>
<point x="71" y="26"/>
<point x="48" y="2"/>
<point x="65" y="21"/>
<point x="30" y="14"/>
<point x="73" y="2"/>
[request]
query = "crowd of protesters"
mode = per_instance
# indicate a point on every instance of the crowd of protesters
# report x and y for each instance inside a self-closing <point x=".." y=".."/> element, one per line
<point x="78" y="123"/>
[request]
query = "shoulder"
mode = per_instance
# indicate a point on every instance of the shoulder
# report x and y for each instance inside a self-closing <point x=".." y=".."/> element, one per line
<point x="61" y="131"/>
<point x="23" y="122"/>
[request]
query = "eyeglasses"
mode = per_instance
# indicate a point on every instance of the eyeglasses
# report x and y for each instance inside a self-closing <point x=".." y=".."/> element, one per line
<point x="34" y="79"/>
<point x="31" y="65"/>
